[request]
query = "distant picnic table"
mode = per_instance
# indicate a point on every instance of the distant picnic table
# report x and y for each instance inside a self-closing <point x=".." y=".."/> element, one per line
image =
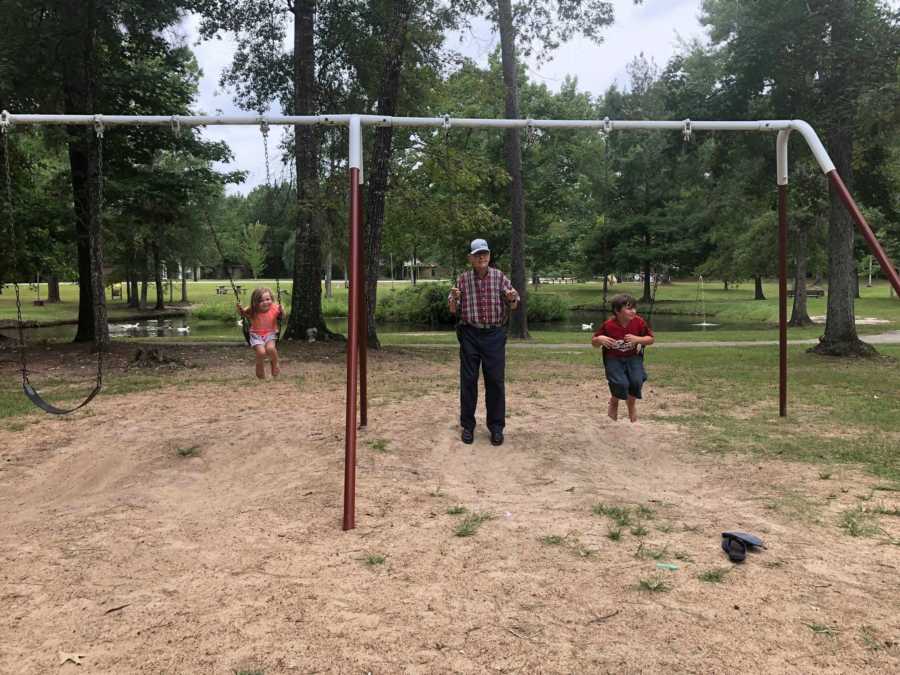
<point x="224" y="290"/>
<point x="810" y="293"/>
<point x="558" y="280"/>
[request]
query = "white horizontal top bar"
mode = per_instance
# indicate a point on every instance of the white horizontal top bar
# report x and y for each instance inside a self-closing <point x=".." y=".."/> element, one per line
<point x="447" y="122"/>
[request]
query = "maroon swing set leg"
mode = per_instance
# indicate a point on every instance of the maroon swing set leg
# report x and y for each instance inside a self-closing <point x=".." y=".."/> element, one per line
<point x="353" y="333"/>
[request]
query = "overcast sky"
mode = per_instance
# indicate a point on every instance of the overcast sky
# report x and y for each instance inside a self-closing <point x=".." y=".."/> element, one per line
<point x="657" y="28"/>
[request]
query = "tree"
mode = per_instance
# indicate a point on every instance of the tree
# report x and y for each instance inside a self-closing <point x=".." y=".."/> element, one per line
<point x="523" y="27"/>
<point x="253" y="249"/>
<point x="824" y="61"/>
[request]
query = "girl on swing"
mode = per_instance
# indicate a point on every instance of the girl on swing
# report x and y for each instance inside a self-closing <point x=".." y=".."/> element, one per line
<point x="263" y="314"/>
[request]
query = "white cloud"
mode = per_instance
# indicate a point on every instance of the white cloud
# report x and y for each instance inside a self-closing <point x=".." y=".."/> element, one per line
<point x="656" y="28"/>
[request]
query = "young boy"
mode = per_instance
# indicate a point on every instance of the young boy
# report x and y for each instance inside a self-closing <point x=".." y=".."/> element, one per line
<point x="622" y="338"/>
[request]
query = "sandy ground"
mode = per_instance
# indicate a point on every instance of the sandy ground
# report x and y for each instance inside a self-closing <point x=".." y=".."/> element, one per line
<point x="119" y="552"/>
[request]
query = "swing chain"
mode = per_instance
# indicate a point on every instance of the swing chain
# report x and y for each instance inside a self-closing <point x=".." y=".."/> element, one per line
<point x="607" y="126"/>
<point x="14" y="249"/>
<point x="264" y="129"/>
<point x="686" y="130"/>
<point x="531" y="133"/>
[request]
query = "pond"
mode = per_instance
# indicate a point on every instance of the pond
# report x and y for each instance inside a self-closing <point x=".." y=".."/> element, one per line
<point x="188" y="327"/>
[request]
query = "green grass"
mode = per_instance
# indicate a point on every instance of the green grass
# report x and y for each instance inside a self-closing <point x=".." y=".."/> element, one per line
<point x="714" y="576"/>
<point x="639" y="531"/>
<point x="374" y="559"/>
<point x="379" y="445"/>
<point x="859" y="522"/>
<point x="470" y="524"/>
<point x="456" y="510"/>
<point x="191" y="451"/>
<point x="614" y="534"/>
<point x="552" y="540"/>
<point x="823" y="629"/>
<point x="654" y="584"/>
<point x="620" y="515"/>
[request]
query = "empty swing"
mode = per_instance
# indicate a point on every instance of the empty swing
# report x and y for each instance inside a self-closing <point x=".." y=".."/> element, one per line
<point x="29" y="389"/>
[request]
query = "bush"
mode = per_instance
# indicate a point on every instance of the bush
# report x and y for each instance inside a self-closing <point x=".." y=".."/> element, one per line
<point x="546" y="307"/>
<point x="424" y="304"/>
<point x="216" y="310"/>
<point x="427" y="304"/>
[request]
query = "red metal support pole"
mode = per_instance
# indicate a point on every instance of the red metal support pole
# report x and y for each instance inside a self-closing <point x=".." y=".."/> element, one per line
<point x="352" y="356"/>
<point x="363" y="339"/>
<point x="782" y="299"/>
<point x="886" y="265"/>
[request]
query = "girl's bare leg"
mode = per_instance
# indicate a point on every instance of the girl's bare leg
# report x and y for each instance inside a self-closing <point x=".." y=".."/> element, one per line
<point x="273" y="358"/>
<point x="613" y="409"/>
<point x="632" y="408"/>
<point x="260" y="361"/>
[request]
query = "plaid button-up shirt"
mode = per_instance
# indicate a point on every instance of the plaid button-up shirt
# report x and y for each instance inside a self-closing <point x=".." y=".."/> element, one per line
<point x="482" y="302"/>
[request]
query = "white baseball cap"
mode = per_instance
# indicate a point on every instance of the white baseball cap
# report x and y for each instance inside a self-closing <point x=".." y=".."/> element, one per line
<point x="478" y="245"/>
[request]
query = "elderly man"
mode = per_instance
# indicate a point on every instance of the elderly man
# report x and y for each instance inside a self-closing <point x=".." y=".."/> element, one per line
<point x="481" y="299"/>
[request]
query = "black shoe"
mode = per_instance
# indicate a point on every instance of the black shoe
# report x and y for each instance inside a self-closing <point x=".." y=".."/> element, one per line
<point x="467" y="436"/>
<point x="497" y="437"/>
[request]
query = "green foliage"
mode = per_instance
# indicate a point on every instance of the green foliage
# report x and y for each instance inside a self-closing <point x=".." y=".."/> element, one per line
<point x="425" y="303"/>
<point x="253" y="250"/>
<point x="546" y="307"/>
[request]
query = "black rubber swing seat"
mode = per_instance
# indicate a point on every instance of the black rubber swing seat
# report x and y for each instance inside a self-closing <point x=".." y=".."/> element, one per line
<point x="35" y="398"/>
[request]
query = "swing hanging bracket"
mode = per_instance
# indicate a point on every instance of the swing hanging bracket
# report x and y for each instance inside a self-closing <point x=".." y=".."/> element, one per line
<point x="98" y="126"/>
<point x="5" y="122"/>
<point x="686" y="130"/>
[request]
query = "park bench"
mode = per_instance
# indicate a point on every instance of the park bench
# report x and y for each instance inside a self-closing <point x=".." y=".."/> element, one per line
<point x="810" y="293"/>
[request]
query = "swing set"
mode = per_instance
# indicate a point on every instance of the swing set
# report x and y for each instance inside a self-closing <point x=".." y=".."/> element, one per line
<point x="356" y="342"/>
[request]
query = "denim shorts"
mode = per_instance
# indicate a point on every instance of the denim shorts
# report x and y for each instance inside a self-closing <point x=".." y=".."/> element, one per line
<point x="625" y="376"/>
<point x="256" y="339"/>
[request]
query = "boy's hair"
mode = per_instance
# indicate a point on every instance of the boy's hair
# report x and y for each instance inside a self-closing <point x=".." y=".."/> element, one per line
<point x="256" y="298"/>
<point x="622" y="300"/>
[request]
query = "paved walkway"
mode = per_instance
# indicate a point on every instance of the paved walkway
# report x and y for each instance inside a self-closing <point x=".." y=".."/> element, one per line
<point x="890" y="337"/>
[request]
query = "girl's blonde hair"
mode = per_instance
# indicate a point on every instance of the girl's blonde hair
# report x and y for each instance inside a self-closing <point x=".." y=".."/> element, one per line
<point x="256" y="298"/>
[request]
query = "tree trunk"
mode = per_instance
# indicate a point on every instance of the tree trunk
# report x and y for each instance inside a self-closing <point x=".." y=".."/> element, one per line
<point x="134" y="300"/>
<point x="647" y="296"/>
<point x="381" y="157"/>
<point x="758" y="289"/>
<point x="53" y="290"/>
<point x="306" y="294"/>
<point x="840" y="338"/>
<point x="143" y="301"/>
<point x="605" y="289"/>
<point x="512" y="149"/>
<point x="184" y="287"/>
<point x="799" y="313"/>
<point x="329" y="292"/>
<point x="79" y="89"/>
<point x="157" y="277"/>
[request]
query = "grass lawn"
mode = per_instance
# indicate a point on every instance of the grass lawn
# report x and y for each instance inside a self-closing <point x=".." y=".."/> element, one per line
<point x="680" y="297"/>
<point x="839" y="410"/>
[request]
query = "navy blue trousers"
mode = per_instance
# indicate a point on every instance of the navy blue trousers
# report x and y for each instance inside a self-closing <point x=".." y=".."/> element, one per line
<point x="484" y="348"/>
<point x="625" y="376"/>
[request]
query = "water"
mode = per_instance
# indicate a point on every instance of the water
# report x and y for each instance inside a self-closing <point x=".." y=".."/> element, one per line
<point x="188" y="327"/>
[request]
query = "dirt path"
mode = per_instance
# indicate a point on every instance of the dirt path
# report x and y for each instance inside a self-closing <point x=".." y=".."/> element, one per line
<point x="117" y="548"/>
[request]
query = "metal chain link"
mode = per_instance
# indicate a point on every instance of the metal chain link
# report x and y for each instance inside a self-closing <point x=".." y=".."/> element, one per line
<point x="264" y="129"/>
<point x="98" y="129"/>
<point x="20" y="331"/>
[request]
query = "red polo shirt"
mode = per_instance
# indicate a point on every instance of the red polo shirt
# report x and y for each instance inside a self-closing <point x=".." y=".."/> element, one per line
<point x="612" y="328"/>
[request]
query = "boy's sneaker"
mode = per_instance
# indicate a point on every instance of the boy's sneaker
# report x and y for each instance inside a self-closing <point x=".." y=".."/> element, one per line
<point x="467" y="436"/>
<point x="497" y="437"/>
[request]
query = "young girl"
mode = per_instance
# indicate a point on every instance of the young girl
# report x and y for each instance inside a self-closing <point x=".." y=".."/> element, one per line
<point x="622" y="339"/>
<point x="263" y="314"/>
